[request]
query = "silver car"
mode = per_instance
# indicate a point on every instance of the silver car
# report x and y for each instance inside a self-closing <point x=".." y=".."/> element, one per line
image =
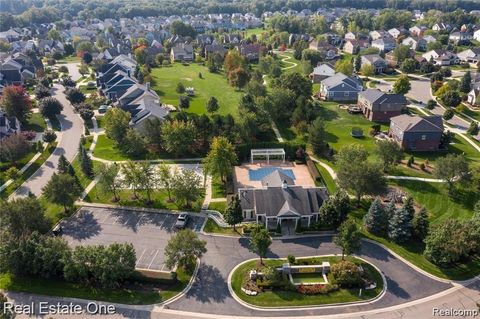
<point x="182" y="220"/>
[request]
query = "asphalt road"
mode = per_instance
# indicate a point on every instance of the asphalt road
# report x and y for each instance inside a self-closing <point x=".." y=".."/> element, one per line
<point x="72" y="129"/>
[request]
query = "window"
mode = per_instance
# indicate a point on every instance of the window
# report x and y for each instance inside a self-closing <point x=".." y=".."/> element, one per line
<point x="424" y="137"/>
<point x="347" y="93"/>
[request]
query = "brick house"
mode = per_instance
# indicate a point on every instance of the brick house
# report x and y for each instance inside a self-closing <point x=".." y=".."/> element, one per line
<point x="417" y="133"/>
<point x="379" y="106"/>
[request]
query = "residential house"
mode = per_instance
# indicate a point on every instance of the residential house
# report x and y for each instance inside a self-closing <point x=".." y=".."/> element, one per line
<point x="476" y="35"/>
<point x="214" y="49"/>
<point x="378" y="34"/>
<point x="182" y="52"/>
<point x="384" y="44"/>
<point x="119" y="83"/>
<point x="392" y="60"/>
<point x="8" y="125"/>
<point x="441" y="57"/>
<point x="250" y="51"/>
<point x="429" y="38"/>
<point x="417" y="44"/>
<point x="327" y="50"/>
<point x="376" y="61"/>
<point x="321" y="72"/>
<point x="143" y="104"/>
<point x="417" y="30"/>
<point x="13" y="73"/>
<point x="397" y="32"/>
<point x="280" y="200"/>
<point x="340" y="87"/>
<point x="471" y="55"/>
<point x="445" y="27"/>
<point x="379" y="106"/>
<point x="417" y="133"/>
<point x="354" y="46"/>
<point x="460" y="38"/>
<point x="473" y="97"/>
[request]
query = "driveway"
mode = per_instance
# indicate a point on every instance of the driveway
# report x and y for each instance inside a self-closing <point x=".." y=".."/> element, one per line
<point x="72" y="129"/>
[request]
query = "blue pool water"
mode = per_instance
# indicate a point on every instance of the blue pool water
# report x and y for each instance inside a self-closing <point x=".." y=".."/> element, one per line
<point x="260" y="173"/>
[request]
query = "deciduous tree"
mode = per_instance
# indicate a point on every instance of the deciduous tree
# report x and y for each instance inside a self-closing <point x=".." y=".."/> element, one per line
<point x="183" y="249"/>
<point x="62" y="189"/>
<point x="16" y="102"/>
<point x="260" y="241"/>
<point x="348" y="237"/>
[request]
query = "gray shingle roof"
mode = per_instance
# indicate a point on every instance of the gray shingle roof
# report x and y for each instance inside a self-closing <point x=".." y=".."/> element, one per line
<point x="375" y="95"/>
<point x="419" y="124"/>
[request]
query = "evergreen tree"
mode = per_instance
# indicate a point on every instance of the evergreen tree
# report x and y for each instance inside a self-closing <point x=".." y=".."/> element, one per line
<point x="63" y="164"/>
<point x="389" y="210"/>
<point x="357" y="64"/>
<point x="376" y="221"/>
<point x="234" y="214"/>
<point x="421" y="224"/>
<point x="86" y="163"/>
<point x="408" y="206"/>
<point x="465" y="83"/>
<point x="400" y="226"/>
<point x="317" y="136"/>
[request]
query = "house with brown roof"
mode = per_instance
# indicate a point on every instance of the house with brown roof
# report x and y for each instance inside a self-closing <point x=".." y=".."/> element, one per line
<point x="379" y="106"/>
<point x="417" y="133"/>
<point x="376" y="61"/>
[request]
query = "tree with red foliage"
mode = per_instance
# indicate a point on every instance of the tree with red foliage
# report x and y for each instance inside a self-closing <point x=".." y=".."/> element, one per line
<point x="16" y="102"/>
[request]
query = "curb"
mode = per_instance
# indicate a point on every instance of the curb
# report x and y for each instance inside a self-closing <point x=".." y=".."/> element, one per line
<point x="308" y="307"/>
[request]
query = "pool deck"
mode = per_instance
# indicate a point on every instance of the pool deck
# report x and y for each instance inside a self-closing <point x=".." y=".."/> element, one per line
<point x="241" y="174"/>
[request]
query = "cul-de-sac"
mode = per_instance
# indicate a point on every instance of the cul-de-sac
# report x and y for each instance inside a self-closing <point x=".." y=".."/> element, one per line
<point x="240" y="159"/>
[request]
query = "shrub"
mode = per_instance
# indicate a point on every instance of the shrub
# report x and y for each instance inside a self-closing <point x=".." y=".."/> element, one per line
<point x="316" y="289"/>
<point x="291" y="259"/>
<point x="411" y="161"/>
<point x="422" y="166"/>
<point x="180" y="88"/>
<point x="346" y="274"/>
<point x="431" y="104"/>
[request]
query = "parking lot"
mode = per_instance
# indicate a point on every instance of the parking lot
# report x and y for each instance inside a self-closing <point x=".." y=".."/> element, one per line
<point x="147" y="232"/>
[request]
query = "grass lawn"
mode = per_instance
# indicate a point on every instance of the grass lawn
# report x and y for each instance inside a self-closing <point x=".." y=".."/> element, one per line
<point x="106" y="149"/>
<point x="218" y="206"/>
<point x="435" y="198"/>
<point x="212" y="228"/>
<point x="413" y="252"/>
<point x="30" y="171"/>
<point x="308" y="278"/>
<point x="35" y="122"/>
<point x="55" y="123"/>
<point x="211" y="84"/>
<point x="279" y="298"/>
<point x="218" y="189"/>
<point x="136" y="296"/>
<point x="474" y="114"/>
<point x="257" y="31"/>
<point x="328" y="181"/>
<point x="159" y="198"/>
<point x="53" y="211"/>
<point x="83" y="179"/>
<point x="86" y="90"/>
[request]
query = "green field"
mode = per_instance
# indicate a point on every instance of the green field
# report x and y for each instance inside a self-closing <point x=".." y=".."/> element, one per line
<point x="35" y="122"/>
<point x="218" y="206"/>
<point x="328" y="181"/>
<point x="308" y="278"/>
<point x="212" y="228"/>
<point x="211" y="84"/>
<point x="159" y="198"/>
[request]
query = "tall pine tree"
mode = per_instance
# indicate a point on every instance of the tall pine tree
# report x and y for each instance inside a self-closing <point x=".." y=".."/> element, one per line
<point x="376" y="221"/>
<point x="421" y="224"/>
<point x="86" y="163"/>
<point x="400" y="226"/>
<point x="466" y="82"/>
<point x="234" y="214"/>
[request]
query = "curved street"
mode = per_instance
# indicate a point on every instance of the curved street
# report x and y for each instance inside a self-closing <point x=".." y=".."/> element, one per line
<point x="209" y="295"/>
<point x="69" y="137"/>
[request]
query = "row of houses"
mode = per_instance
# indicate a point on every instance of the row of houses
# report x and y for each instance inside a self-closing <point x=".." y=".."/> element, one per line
<point x="116" y="82"/>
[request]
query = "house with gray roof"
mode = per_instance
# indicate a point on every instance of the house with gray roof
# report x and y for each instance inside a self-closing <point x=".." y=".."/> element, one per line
<point x="8" y="125"/>
<point x="417" y="133"/>
<point x="279" y="200"/>
<point x="376" y="61"/>
<point x="182" y="52"/>
<point x="340" y="88"/>
<point x="379" y="106"/>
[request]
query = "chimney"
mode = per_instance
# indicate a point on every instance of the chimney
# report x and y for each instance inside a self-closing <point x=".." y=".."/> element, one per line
<point x="118" y="48"/>
<point x="148" y="86"/>
<point x="284" y="184"/>
<point x="128" y="73"/>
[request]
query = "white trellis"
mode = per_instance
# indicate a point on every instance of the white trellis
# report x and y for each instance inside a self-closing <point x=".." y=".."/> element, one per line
<point x="267" y="153"/>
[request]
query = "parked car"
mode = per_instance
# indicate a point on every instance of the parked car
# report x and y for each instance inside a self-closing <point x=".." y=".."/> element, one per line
<point x="103" y="109"/>
<point x="182" y="220"/>
<point x="90" y="85"/>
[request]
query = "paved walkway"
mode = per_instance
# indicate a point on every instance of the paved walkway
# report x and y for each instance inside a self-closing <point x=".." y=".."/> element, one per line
<point x="69" y="138"/>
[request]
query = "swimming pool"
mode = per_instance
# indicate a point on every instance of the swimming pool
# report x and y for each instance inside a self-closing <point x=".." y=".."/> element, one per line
<point x="260" y="173"/>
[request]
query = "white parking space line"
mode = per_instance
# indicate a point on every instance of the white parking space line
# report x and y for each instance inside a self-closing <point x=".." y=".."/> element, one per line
<point x="128" y="219"/>
<point x="156" y="253"/>
<point x="140" y="219"/>
<point x="138" y="260"/>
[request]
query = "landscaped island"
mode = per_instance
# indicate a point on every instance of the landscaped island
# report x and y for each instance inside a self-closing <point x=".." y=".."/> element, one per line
<point x="309" y="281"/>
